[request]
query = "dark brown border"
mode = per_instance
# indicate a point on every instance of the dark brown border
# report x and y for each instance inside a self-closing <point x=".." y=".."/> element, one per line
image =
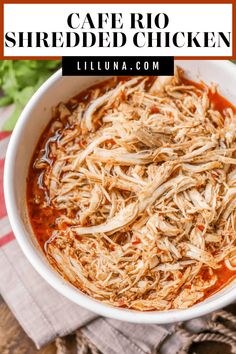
<point x="233" y="2"/>
<point x="234" y="29"/>
<point x="118" y="2"/>
<point x="1" y="30"/>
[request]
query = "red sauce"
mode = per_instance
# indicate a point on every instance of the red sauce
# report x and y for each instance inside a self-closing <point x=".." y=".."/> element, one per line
<point x="44" y="220"/>
<point x="219" y="102"/>
<point x="224" y="277"/>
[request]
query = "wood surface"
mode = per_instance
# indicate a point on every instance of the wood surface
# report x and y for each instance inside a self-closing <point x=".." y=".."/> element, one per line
<point x="13" y="339"/>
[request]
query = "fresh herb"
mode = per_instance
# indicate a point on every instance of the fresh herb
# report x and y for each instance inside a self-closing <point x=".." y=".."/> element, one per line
<point x="19" y="79"/>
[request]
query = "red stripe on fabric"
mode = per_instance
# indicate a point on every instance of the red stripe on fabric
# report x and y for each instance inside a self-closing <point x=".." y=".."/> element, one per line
<point x="4" y="135"/>
<point x="6" y="239"/>
<point x="3" y="211"/>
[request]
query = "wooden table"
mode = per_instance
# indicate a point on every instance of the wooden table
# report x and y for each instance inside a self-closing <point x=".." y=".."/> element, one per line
<point x="13" y="339"/>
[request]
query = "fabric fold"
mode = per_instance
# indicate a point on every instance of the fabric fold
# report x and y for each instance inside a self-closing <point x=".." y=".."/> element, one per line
<point x="115" y="337"/>
<point x="42" y="312"/>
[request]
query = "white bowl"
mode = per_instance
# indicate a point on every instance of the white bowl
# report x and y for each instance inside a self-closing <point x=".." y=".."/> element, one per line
<point x="30" y="125"/>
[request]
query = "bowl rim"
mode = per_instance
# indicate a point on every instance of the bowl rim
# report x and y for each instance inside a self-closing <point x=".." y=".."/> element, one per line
<point x="50" y="275"/>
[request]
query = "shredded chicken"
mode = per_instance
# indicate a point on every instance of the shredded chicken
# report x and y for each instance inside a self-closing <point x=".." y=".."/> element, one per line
<point x="144" y="181"/>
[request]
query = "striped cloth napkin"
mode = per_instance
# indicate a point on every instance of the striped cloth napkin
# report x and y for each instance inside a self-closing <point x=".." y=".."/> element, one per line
<point x="44" y="314"/>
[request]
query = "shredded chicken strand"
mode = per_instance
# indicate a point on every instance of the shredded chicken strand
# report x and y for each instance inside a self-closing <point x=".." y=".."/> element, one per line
<point x="144" y="179"/>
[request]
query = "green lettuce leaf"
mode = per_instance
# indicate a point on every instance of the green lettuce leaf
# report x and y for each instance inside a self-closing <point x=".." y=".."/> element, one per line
<point x="19" y="79"/>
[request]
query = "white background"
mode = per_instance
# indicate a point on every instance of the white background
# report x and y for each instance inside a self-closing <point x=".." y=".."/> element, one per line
<point x="182" y="17"/>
